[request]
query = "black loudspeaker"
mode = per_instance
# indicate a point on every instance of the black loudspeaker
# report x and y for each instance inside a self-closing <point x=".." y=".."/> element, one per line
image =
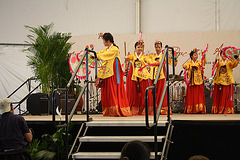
<point x="38" y="104"/>
<point x="71" y="103"/>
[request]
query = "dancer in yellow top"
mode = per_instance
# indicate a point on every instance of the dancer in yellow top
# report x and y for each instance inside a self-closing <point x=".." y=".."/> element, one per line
<point x="161" y="81"/>
<point x="138" y="80"/>
<point x="223" y="87"/>
<point x="113" y="94"/>
<point x="195" y="96"/>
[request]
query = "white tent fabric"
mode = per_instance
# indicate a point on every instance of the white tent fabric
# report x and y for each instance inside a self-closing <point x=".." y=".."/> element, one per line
<point x="160" y="16"/>
<point x="78" y="17"/>
<point x="89" y="17"/>
<point x="229" y="15"/>
<point x="13" y="72"/>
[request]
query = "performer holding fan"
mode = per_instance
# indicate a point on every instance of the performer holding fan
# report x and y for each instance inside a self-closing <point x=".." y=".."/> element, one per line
<point x="113" y="95"/>
<point x="195" y="97"/>
<point x="223" y="88"/>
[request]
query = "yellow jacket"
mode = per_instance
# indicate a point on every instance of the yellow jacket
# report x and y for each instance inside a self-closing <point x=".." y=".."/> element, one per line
<point x="107" y="57"/>
<point x="224" y="75"/>
<point x="196" y="79"/>
<point x="137" y="64"/>
<point x="154" y="57"/>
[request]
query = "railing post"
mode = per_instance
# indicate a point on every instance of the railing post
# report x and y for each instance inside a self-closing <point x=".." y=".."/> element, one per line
<point x="29" y="84"/>
<point x="87" y="88"/>
<point x="168" y="99"/>
<point x="53" y="106"/>
<point x="19" y="109"/>
<point x="66" y="121"/>
<point x="155" y="121"/>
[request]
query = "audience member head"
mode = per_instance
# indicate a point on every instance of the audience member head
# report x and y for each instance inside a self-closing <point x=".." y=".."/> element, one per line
<point x="198" y="157"/>
<point x="135" y="150"/>
<point x="5" y="105"/>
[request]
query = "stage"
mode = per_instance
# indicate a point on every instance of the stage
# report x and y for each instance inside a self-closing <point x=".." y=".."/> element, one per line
<point x="213" y="135"/>
<point x="174" y="117"/>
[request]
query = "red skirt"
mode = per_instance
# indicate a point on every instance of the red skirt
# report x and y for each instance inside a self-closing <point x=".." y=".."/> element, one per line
<point x="159" y="91"/>
<point x="195" y="99"/>
<point x="113" y="95"/>
<point x="222" y="103"/>
<point x="136" y="97"/>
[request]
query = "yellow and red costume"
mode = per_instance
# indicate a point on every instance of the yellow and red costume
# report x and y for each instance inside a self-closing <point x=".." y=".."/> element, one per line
<point x="137" y="82"/>
<point x="161" y="82"/>
<point x="223" y="87"/>
<point x="113" y="94"/>
<point x="195" y="96"/>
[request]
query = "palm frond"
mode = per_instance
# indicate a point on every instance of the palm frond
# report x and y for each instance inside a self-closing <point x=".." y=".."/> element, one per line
<point x="49" y="59"/>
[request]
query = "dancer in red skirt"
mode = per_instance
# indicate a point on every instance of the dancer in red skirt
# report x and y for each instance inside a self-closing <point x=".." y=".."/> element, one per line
<point x="195" y="97"/>
<point x="161" y="81"/>
<point x="113" y="94"/>
<point x="138" y="81"/>
<point x="223" y="87"/>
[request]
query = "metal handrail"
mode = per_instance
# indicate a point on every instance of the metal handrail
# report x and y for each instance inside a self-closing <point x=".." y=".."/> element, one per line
<point x="27" y="81"/>
<point x="156" y="115"/>
<point x="30" y="92"/>
<point x="153" y="87"/>
<point x="82" y="90"/>
<point x="85" y="87"/>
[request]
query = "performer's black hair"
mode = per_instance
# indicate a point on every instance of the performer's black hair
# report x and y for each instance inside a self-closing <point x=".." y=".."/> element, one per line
<point x="138" y="43"/>
<point x="108" y="37"/>
<point x="158" y="42"/>
<point x="191" y="54"/>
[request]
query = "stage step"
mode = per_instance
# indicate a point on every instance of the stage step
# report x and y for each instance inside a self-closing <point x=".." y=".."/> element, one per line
<point x="102" y="155"/>
<point x="121" y="123"/>
<point x="119" y="138"/>
<point x="104" y="139"/>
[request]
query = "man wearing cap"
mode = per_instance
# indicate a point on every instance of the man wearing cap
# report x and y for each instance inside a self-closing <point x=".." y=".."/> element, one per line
<point x="14" y="131"/>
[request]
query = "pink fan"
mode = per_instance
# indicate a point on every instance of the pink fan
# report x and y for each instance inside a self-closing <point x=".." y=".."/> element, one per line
<point x="73" y="62"/>
<point x="231" y="53"/>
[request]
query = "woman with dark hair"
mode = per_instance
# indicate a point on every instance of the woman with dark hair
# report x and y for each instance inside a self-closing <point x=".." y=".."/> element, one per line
<point x="161" y="81"/>
<point x="223" y="85"/>
<point x="138" y="80"/>
<point x="135" y="150"/>
<point x="113" y="94"/>
<point x="195" y="96"/>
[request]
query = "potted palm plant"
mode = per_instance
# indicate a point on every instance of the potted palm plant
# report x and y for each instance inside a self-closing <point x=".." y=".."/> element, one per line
<point x="49" y="57"/>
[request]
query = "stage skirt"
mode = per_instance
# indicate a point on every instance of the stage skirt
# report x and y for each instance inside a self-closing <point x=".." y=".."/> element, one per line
<point x="136" y="96"/>
<point x="113" y="94"/>
<point x="222" y="100"/>
<point x="159" y="91"/>
<point x="195" y="99"/>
